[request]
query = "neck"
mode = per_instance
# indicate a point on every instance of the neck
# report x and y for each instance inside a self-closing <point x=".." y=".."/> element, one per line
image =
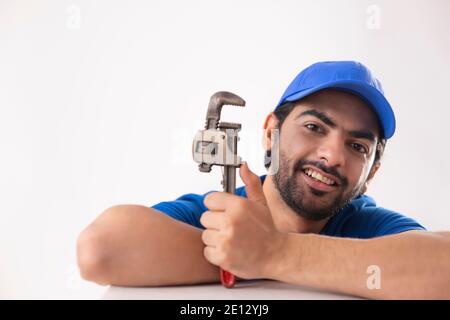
<point x="284" y="218"/>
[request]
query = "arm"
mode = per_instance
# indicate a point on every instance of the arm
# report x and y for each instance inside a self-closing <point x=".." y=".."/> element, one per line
<point x="241" y="237"/>
<point x="133" y="245"/>
<point x="413" y="265"/>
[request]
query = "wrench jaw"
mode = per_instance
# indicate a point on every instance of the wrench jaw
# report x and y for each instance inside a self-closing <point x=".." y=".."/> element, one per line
<point x="216" y="102"/>
<point x="217" y="144"/>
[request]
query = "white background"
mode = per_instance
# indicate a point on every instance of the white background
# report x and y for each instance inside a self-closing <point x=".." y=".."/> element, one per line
<point x="99" y="101"/>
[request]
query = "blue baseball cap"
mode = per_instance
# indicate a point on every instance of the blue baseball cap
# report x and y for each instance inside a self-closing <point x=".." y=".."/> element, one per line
<point x="349" y="76"/>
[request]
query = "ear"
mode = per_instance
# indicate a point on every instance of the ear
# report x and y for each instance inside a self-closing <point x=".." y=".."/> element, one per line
<point x="269" y="124"/>
<point x="374" y="170"/>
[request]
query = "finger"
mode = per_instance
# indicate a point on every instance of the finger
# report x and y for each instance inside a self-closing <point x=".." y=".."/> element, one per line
<point x="253" y="185"/>
<point x="218" y="201"/>
<point x="211" y="254"/>
<point x="210" y="237"/>
<point x="212" y="219"/>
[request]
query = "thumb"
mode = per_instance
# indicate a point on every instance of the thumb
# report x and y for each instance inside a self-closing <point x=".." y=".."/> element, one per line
<point x="253" y="185"/>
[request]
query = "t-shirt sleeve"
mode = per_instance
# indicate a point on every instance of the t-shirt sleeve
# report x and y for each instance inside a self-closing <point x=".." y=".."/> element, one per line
<point x="369" y="222"/>
<point x="389" y="222"/>
<point x="187" y="208"/>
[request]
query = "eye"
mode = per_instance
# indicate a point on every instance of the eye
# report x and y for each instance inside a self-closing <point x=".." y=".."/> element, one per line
<point x="359" y="147"/>
<point x="313" y="127"/>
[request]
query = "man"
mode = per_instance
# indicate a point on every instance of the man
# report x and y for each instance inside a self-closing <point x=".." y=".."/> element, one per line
<point x="308" y="222"/>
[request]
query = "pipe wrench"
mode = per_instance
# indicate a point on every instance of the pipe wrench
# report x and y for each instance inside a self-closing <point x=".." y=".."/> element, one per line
<point x="217" y="145"/>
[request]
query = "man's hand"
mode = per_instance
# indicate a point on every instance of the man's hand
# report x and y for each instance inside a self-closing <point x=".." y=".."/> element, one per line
<point x="240" y="235"/>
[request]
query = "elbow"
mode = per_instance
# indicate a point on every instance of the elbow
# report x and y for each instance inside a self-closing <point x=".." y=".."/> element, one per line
<point x="92" y="257"/>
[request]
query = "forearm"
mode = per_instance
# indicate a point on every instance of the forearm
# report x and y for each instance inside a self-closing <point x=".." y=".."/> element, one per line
<point x="411" y="264"/>
<point x="139" y="246"/>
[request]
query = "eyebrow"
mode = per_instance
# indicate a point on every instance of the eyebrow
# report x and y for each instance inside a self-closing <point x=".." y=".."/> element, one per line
<point x="361" y="134"/>
<point x="322" y="116"/>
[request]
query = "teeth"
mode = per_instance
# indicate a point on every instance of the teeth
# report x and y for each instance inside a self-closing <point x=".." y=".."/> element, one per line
<point x="316" y="175"/>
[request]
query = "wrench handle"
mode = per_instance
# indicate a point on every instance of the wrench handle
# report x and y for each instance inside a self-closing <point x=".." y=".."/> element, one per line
<point x="229" y="185"/>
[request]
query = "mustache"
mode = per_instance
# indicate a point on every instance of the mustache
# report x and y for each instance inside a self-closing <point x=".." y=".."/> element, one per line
<point x="343" y="181"/>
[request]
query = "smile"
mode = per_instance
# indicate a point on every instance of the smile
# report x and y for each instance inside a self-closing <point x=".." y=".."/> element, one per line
<point x="319" y="177"/>
<point x="319" y="181"/>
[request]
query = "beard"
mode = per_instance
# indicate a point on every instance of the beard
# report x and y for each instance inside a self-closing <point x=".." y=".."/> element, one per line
<point x="307" y="202"/>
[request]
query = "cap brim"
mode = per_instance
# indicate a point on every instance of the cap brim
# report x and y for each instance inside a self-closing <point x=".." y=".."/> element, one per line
<point x="371" y="95"/>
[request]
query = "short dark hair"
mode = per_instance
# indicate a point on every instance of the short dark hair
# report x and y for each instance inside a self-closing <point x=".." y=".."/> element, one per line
<point x="285" y="109"/>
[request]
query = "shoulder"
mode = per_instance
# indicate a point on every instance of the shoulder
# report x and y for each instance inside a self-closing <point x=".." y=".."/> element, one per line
<point x="362" y="218"/>
<point x="186" y="208"/>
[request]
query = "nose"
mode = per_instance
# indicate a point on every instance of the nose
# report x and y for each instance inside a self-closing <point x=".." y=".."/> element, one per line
<point x="331" y="151"/>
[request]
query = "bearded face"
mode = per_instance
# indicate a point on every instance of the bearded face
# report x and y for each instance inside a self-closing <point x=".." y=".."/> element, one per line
<point x="325" y="152"/>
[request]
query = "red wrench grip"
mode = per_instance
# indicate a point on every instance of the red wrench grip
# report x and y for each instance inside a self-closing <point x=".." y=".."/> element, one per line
<point x="227" y="279"/>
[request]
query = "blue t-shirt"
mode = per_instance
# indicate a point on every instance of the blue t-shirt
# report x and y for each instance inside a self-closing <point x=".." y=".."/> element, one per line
<point x="361" y="218"/>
